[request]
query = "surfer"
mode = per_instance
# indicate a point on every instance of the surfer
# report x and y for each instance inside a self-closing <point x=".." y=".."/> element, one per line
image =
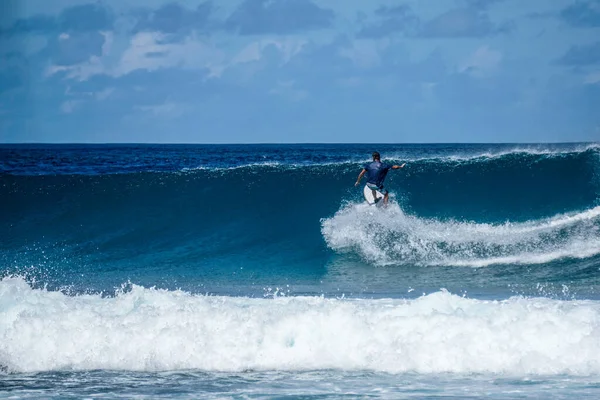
<point x="376" y="172"/>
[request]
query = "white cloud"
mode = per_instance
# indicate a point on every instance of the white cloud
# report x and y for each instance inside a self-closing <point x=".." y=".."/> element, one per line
<point x="481" y="63"/>
<point x="152" y="51"/>
<point x="147" y="51"/>
<point x="80" y="98"/>
<point x="95" y="65"/>
<point x="69" y="106"/>
<point x="104" y="94"/>
<point x="365" y="53"/>
<point x="109" y="38"/>
<point x="593" y="78"/>
<point x="80" y="72"/>
<point x="254" y="51"/>
<point x="251" y="57"/>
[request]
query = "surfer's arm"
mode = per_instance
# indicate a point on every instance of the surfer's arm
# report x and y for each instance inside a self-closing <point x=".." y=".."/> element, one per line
<point x="362" y="173"/>
<point x="398" y="166"/>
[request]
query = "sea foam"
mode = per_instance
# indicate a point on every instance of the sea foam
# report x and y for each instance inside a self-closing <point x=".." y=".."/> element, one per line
<point x="150" y="329"/>
<point x="390" y="236"/>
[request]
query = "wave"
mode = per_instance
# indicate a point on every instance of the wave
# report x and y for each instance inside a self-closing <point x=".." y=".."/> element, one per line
<point x="392" y="237"/>
<point x="149" y="330"/>
<point x="132" y="159"/>
<point x="532" y="152"/>
<point x="514" y="208"/>
<point x="453" y="211"/>
<point x="407" y="156"/>
<point x="516" y="150"/>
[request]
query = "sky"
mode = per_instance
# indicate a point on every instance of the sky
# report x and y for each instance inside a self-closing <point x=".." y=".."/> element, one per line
<point x="297" y="71"/>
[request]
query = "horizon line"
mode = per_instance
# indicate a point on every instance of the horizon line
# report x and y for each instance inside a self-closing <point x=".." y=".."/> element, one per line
<point x="288" y="143"/>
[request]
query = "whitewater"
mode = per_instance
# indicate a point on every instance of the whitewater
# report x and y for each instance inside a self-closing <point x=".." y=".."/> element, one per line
<point x="175" y="271"/>
<point x="391" y="237"/>
<point x="149" y="329"/>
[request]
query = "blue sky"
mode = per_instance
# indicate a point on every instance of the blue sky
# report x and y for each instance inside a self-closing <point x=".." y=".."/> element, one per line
<point x="299" y="71"/>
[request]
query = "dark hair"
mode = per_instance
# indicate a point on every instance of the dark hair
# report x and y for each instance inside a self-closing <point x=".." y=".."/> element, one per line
<point x="376" y="156"/>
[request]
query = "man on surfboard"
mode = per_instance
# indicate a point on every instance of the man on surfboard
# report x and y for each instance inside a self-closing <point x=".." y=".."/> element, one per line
<point x="376" y="172"/>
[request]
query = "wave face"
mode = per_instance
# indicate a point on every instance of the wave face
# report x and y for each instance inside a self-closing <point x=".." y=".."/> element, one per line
<point x="475" y="208"/>
<point x="149" y="330"/>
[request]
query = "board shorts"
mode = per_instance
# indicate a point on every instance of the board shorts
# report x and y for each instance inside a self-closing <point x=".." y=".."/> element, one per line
<point x="373" y="186"/>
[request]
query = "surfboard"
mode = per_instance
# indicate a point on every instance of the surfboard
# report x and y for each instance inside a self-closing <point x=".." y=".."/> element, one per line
<point x="368" y="193"/>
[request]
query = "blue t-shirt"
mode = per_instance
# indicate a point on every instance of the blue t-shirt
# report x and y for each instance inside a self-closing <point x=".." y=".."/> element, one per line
<point x="376" y="172"/>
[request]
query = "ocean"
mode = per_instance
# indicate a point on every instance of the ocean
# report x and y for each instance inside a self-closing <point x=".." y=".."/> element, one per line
<point x="258" y="271"/>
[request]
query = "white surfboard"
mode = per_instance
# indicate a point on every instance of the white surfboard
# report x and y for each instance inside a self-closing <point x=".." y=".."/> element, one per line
<point x="369" y="196"/>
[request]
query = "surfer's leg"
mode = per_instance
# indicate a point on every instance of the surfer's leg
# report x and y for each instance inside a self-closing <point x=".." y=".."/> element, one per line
<point x="374" y="195"/>
<point x="386" y="195"/>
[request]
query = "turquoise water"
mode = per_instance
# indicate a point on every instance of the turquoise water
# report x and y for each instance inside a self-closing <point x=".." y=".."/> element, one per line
<point x="253" y="271"/>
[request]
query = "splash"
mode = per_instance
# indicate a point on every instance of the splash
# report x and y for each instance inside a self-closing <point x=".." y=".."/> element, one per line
<point x="393" y="237"/>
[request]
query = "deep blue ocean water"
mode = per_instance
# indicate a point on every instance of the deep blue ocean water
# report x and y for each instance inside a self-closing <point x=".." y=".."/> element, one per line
<point x="257" y="271"/>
